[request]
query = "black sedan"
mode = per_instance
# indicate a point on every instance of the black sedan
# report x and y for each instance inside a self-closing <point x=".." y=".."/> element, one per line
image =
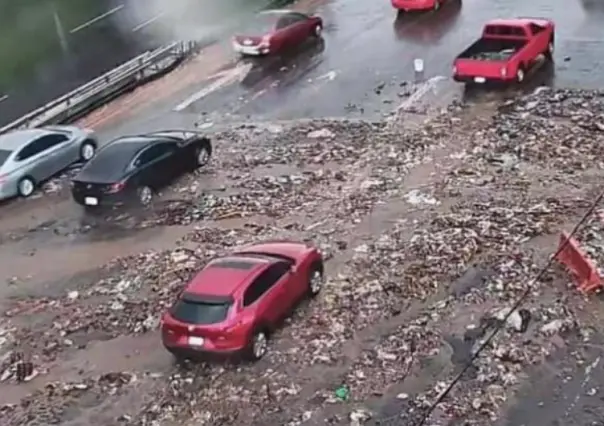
<point x="133" y="168"/>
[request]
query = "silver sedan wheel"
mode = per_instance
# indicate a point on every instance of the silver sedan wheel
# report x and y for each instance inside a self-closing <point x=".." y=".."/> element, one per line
<point x="260" y="345"/>
<point x="145" y="195"/>
<point x="87" y="151"/>
<point x="26" y="187"/>
<point x="316" y="282"/>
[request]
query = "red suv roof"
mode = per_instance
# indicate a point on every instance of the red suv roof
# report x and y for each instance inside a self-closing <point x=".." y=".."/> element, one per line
<point x="222" y="277"/>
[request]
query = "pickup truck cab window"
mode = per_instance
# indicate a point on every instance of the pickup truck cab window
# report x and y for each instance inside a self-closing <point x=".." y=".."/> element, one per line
<point x="505" y="31"/>
<point x="536" y="29"/>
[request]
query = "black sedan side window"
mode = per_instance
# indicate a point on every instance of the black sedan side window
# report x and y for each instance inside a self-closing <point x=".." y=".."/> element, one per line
<point x="153" y="153"/>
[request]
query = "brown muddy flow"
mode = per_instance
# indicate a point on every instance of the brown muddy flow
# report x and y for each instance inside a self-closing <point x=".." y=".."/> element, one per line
<point x="402" y="214"/>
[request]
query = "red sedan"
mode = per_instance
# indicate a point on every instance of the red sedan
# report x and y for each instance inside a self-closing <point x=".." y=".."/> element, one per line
<point x="235" y="302"/>
<point x="412" y="5"/>
<point x="274" y="31"/>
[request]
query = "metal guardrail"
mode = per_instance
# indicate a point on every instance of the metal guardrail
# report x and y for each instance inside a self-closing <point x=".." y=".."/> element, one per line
<point x="107" y="85"/>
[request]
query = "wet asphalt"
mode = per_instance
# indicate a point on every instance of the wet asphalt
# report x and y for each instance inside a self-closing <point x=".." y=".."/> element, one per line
<point x="363" y="67"/>
<point x="367" y="56"/>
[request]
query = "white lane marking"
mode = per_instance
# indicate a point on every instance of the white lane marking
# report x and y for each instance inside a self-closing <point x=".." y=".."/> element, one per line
<point x="3" y="98"/>
<point x="97" y="18"/>
<point x="235" y="74"/>
<point x="331" y="76"/>
<point x="147" y="22"/>
<point x="584" y="382"/>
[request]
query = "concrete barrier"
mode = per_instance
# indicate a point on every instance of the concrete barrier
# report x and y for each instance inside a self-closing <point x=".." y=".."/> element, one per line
<point x="584" y="272"/>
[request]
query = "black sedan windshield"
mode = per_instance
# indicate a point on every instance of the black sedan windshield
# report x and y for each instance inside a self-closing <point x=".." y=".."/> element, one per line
<point x="110" y="163"/>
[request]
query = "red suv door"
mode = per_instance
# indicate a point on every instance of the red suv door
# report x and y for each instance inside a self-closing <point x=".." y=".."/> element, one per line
<point x="265" y="295"/>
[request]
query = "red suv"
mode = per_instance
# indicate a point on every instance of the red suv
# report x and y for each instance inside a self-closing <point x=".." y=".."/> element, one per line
<point x="234" y="303"/>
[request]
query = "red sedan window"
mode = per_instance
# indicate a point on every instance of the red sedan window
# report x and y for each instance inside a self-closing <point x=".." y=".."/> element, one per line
<point x="261" y="24"/>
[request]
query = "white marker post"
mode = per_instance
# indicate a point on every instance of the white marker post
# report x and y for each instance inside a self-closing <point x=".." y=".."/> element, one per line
<point x="418" y="67"/>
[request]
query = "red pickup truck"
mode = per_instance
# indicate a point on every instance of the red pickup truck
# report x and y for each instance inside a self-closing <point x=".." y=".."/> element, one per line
<point x="507" y="49"/>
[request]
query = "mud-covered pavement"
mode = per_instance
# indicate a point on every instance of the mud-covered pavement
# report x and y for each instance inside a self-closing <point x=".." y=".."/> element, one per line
<point x="434" y="219"/>
<point x="430" y="230"/>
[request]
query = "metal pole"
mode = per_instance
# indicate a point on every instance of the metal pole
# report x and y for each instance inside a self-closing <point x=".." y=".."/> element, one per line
<point x="59" y="28"/>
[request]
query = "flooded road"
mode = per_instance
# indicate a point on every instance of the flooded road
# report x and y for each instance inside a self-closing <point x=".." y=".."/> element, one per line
<point x="333" y="79"/>
<point x="361" y="69"/>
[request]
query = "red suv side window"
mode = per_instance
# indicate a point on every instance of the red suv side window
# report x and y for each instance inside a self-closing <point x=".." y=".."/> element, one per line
<point x="264" y="282"/>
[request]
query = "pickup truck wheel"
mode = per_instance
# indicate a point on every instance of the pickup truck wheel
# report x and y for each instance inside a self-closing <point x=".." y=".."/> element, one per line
<point x="549" y="53"/>
<point x="317" y="31"/>
<point x="520" y="75"/>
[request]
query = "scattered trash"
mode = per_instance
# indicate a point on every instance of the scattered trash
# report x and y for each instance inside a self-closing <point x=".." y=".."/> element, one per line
<point x="342" y="393"/>
<point x="359" y="417"/>
<point x="518" y="320"/>
<point x="321" y="134"/>
<point x="406" y="276"/>
<point x="415" y="197"/>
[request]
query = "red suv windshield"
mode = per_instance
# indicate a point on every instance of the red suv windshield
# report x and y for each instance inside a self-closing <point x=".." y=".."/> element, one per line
<point x="200" y="312"/>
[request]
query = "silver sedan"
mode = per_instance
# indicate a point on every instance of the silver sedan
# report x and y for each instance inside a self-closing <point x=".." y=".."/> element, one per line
<point x="29" y="157"/>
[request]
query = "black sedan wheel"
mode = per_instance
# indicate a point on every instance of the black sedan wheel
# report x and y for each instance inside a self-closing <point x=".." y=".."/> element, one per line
<point x="145" y="195"/>
<point x="203" y="155"/>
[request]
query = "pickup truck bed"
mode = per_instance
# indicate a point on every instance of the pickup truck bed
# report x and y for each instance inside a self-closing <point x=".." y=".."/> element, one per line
<point x="506" y="51"/>
<point x="485" y="49"/>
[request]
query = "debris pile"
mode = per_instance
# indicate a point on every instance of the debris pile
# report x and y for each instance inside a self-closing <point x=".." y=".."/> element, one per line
<point x="424" y="263"/>
<point x="56" y="402"/>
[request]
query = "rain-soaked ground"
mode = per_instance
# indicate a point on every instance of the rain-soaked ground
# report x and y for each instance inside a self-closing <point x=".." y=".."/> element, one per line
<point x="269" y="180"/>
<point x="362" y="68"/>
